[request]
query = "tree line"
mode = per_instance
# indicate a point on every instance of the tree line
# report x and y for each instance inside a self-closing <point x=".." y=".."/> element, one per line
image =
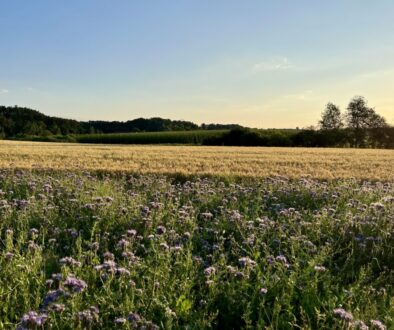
<point x="360" y="126"/>
<point x="24" y="122"/>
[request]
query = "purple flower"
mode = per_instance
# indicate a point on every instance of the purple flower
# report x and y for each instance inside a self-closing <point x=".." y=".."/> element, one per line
<point x="246" y="262"/>
<point x="51" y="297"/>
<point x="75" y="284"/>
<point x="376" y="324"/>
<point x="69" y="261"/>
<point x="378" y="206"/>
<point x="32" y="319"/>
<point x="343" y="315"/>
<point x="123" y="243"/>
<point x="231" y="269"/>
<point x="88" y="316"/>
<point x="270" y="260"/>
<point x="240" y="275"/>
<point x="33" y="231"/>
<point x="160" y="230"/>
<point x="57" y="276"/>
<point x="263" y="291"/>
<point x="98" y="200"/>
<point x="281" y="258"/>
<point x="176" y="248"/>
<point x="209" y="271"/>
<point x="164" y="246"/>
<point x="9" y="256"/>
<point x="134" y="317"/>
<point x="32" y="246"/>
<point x="120" y="320"/>
<point x="130" y="256"/>
<point x="122" y="271"/>
<point x="131" y="232"/>
<point x="108" y="256"/>
<point x="109" y="264"/>
<point x="360" y="325"/>
<point x="207" y="215"/>
<point x="95" y="246"/>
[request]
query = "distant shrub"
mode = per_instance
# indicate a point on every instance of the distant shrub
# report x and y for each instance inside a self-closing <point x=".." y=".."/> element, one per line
<point x="249" y="137"/>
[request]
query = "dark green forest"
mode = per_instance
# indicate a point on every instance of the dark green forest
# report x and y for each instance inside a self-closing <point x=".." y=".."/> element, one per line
<point x="24" y="122"/>
<point x="360" y="126"/>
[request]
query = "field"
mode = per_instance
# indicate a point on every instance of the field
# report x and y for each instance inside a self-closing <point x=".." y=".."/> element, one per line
<point x="369" y="164"/>
<point x="165" y="237"/>
<point x="177" y="137"/>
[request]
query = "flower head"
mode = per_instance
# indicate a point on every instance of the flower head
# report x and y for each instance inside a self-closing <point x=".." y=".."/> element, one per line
<point x="75" y="284"/>
<point x="343" y="315"/>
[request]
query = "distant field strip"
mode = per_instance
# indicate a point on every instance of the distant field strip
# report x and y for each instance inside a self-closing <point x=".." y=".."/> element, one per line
<point x="177" y="137"/>
<point x="235" y="161"/>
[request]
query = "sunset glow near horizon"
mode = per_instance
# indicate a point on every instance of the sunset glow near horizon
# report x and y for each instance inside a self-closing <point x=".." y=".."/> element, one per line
<point x="268" y="64"/>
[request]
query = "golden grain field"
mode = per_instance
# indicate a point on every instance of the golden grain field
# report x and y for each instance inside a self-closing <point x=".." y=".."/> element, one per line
<point x="236" y="161"/>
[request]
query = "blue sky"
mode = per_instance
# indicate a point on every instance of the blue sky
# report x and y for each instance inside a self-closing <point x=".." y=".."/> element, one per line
<point x="254" y="62"/>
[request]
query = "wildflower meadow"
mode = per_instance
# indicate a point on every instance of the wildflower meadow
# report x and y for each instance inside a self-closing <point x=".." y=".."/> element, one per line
<point x="120" y="251"/>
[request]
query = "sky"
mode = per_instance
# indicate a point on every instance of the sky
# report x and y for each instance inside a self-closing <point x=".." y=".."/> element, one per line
<point x="258" y="63"/>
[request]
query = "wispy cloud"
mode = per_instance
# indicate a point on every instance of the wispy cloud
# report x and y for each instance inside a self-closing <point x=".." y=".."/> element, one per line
<point x="273" y="64"/>
<point x="4" y="91"/>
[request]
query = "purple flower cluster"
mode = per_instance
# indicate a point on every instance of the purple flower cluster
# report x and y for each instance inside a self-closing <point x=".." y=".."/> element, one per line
<point x="69" y="261"/>
<point x="343" y="314"/>
<point x="75" y="284"/>
<point x="51" y="297"/>
<point x="246" y="262"/>
<point x="89" y="316"/>
<point x="32" y="320"/>
<point x="209" y="271"/>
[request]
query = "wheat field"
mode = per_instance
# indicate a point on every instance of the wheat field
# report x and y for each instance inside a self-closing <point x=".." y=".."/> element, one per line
<point x="197" y="160"/>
